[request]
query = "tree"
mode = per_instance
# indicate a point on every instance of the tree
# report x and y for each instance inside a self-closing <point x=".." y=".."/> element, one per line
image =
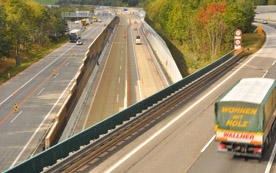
<point x="18" y="24"/>
<point x="4" y="41"/>
<point x="211" y="21"/>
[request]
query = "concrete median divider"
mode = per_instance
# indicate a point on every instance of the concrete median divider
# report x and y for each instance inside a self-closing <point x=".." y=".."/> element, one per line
<point x="79" y="82"/>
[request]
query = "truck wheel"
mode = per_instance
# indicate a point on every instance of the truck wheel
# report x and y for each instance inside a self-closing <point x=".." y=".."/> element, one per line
<point x="266" y="143"/>
<point x="269" y="139"/>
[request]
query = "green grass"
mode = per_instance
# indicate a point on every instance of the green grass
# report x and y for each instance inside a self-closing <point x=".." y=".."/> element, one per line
<point x="253" y="42"/>
<point x="48" y="2"/>
<point x="32" y="58"/>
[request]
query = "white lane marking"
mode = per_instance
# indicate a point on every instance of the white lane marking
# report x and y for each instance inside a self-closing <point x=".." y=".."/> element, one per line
<point x="36" y="75"/>
<point x="271" y="159"/>
<point x="274" y="62"/>
<point x="137" y="70"/>
<point x="40" y="72"/>
<point x="56" y="75"/>
<point x="121" y="58"/>
<point x="120" y="67"/>
<point x="265" y="73"/>
<point x="36" y="131"/>
<point x="16" y="116"/>
<point x="86" y="119"/>
<point x="40" y="91"/>
<point x="118" y="163"/>
<point x="67" y="64"/>
<point x="152" y="56"/>
<point x="119" y="80"/>
<point x="117" y="98"/>
<point x="204" y="148"/>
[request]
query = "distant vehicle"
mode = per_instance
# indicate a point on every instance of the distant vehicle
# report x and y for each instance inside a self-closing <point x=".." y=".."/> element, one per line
<point x="138" y="40"/>
<point x="265" y="22"/>
<point x="245" y="117"/>
<point x="79" y="42"/>
<point x="77" y="22"/>
<point x="75" y="35"/>
<point x="135" y="28"/>
<point x="83" y="22"/>
<point x="95" y="19"/>
<point x="99" y="20"/>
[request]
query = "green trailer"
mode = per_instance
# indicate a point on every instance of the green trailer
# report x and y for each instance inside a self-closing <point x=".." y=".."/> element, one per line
<point x="245" y="117"/>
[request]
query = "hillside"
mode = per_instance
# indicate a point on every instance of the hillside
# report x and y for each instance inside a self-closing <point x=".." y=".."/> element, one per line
<point x="199" y="32"/>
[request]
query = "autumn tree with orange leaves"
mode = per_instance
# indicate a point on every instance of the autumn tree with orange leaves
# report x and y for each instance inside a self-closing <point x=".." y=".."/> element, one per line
<point x="213" y="27"/>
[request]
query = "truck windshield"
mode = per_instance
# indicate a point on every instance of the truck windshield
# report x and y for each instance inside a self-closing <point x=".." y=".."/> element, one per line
<point x="73" y="35"/>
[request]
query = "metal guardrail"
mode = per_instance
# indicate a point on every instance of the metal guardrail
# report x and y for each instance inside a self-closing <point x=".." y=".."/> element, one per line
<point x="62" y="150"/>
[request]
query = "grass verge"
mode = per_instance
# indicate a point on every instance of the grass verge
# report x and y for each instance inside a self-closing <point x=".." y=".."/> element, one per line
<point x="253" y="42"/>
<point x="27" y="59"/>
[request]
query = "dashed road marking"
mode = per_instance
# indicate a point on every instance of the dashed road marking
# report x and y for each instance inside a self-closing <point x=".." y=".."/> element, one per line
<point x="40" y="91"/>
<point x="16" y="116"/>
<point x="56" y="75"/>
<point x="204" y="148"/>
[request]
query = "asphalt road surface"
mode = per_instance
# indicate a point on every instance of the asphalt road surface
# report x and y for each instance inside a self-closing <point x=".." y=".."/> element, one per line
<point x="38" y="95"/>
<point x="128" y="75"/>
<point x="182" y="139"/>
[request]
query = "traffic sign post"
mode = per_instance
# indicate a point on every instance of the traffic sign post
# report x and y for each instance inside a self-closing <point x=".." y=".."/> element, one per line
<point x="238" y="42"/>
<point x="238" y="32"/>
<point x="260" y="31"/>
<point x="238" y="39"/>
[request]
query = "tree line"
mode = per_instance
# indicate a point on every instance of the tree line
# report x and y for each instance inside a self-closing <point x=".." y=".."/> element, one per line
<point x="118" y="3"/>
<point x="204" y="29"/>
<point x="25" y="23"/>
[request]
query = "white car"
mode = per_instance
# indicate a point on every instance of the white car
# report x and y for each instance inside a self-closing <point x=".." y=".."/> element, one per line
<point x="79" y="42"/>
<point x="138" y="40"/>
<point x="265" y="22"/>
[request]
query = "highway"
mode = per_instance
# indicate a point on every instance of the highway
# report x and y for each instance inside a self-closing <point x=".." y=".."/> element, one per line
<point x="128" y="74"/>
<point x="182" y="138"/>
<point x="38" y="95"/>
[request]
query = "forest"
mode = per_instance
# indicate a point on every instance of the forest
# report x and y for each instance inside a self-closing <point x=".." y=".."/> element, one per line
<point x="117" y="3"/>
<point x="26" y="26"/>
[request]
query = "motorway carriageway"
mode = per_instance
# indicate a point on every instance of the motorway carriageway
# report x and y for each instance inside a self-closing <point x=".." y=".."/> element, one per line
<point x="128" y="74"/>
<point x="38" y="95"/>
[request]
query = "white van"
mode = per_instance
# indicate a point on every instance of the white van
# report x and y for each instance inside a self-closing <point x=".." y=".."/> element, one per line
<point x="138" y="40"/>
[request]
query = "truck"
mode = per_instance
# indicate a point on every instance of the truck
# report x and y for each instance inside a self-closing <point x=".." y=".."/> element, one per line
<point x="85" y="22"/>
<point x="245" y="117"/>
<point x="75" y="35"/>
<point x="95" y="19"/>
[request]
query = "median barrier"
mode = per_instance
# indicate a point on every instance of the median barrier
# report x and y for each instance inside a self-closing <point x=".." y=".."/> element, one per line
<point x="80" y="80"/>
